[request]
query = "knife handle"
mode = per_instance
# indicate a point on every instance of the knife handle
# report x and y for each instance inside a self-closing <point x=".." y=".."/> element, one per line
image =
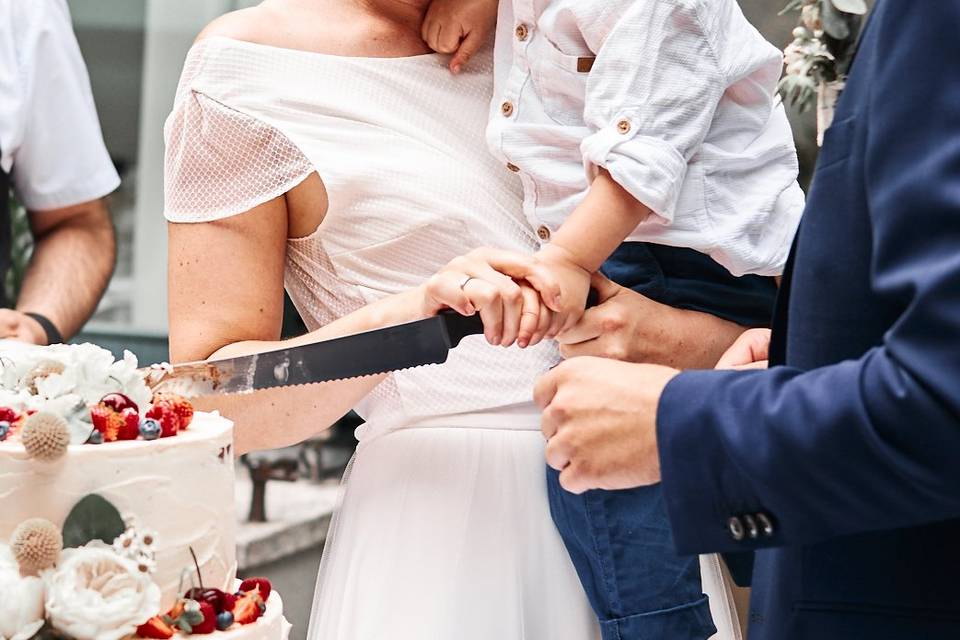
<point x="459" y="327"/>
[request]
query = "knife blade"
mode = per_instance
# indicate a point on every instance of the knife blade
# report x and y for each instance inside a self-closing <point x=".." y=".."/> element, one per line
<point x="403" y="346"/>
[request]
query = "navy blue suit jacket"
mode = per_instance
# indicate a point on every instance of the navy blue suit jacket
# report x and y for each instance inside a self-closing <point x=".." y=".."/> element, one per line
<point x="842" y="463"/>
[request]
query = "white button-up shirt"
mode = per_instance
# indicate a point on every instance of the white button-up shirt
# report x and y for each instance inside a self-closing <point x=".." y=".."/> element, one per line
<point x="675" y="98"/>
<point x="49" y="133"/>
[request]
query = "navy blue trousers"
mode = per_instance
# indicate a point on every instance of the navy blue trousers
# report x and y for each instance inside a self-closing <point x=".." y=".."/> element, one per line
<point x="620" y="541"/>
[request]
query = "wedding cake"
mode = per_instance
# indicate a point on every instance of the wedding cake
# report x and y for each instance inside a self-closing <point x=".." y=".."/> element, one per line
<point x="116" y="507"/>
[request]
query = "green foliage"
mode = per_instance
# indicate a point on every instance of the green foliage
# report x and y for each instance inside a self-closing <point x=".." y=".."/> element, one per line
<point x="93" y="518"/>
<point x="822" y="48"/>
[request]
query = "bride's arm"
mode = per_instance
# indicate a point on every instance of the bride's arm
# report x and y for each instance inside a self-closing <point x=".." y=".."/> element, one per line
<point x="226" y="299"/>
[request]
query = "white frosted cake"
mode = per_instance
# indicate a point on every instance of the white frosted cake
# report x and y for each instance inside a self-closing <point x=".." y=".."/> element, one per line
<point x="116" y="506"/>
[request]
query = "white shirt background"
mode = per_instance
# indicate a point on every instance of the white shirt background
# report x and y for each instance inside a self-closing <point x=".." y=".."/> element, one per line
<point x="49" y="133"/>
<point x="675" y="98"/>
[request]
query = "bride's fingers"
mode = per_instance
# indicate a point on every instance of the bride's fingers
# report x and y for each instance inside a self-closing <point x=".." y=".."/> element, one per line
<point x="485" y="296"/>
<point x="444" y="289"/>
<point x="529" y="316"/>
<point x="511" y="297"/>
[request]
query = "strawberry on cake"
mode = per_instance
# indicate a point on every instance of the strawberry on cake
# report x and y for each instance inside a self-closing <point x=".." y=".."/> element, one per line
<point x="116" y="507"/>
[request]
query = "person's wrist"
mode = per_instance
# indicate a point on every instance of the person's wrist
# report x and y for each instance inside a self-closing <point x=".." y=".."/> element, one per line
<point x="556" y="254"/>
<point x="415" y="304"/>
<point x="700" y="339"/>
<point x="39" y="330"/>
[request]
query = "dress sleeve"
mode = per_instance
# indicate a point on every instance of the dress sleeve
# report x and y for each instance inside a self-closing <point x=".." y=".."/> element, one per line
<point x="219" y="161"/>
<point x="652" y="94"/>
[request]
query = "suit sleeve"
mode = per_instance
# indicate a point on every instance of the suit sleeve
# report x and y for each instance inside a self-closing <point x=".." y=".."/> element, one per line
<point x="866" y="444"/>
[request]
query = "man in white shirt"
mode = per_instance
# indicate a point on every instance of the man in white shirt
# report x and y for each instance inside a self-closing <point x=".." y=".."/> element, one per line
<point x="53" y="155"/>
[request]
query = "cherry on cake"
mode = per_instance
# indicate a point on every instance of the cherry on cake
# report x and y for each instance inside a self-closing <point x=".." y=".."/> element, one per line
<point x="117" y="507"/>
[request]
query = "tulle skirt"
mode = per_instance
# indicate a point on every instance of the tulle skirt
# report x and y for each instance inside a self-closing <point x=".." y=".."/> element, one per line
<point x="444" y="531"/>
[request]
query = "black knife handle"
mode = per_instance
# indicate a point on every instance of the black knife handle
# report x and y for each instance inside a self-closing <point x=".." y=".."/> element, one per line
<point x="459" y="327"/>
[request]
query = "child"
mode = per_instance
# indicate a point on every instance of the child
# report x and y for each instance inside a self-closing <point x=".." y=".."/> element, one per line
<point x="652" y="121"/>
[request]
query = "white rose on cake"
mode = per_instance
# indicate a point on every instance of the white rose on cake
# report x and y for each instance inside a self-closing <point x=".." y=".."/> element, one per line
<point x="95" y="594"/>
<point x="21" y="607"/>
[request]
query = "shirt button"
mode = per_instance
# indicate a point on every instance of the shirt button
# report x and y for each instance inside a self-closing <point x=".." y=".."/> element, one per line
<point x="522" y="32"/>
<point x="735" y="527"/>
<point x="513" y="167"/>
<point x="543" y="233"/>
<point x="623" y="126"/>
<point x="506" y="109"/>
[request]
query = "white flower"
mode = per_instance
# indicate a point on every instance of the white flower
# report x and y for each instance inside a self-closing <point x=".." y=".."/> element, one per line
<point x="96" y="594"/>
<point x="138" y="545"/>
<point x="21" y="607"/>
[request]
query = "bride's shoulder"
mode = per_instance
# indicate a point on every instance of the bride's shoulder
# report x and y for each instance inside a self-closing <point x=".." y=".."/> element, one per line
<point x="256" y="24"/>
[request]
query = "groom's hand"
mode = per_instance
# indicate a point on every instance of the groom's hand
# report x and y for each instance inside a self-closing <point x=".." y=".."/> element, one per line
<point x="599" y="418"/>
<point x="626" y="325"/>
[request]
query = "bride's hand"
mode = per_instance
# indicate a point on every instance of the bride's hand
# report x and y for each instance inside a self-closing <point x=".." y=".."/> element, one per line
<point x="512" y="311"/>
<point x="750" y="351"/>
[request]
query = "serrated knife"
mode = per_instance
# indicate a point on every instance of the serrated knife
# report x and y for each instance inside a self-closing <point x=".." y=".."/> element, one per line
<point x="403" y="346"/>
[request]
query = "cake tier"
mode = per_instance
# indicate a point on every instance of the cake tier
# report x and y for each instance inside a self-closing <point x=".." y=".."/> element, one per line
<point x="181" y="488"/>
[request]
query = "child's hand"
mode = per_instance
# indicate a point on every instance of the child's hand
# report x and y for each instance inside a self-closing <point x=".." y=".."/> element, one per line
<point x="574" y="283"/>
<point x="460" y="26"/>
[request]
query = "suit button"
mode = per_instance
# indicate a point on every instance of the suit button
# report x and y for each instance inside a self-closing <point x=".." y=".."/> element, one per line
<point x="522" y="32"/>
<point x="513" y="167"/>
<point x="543" y="233"/>
<point x="751" y="526"/>
<point x="735" y="527"/>
<point x="506" y="109"/>
<point x="766" y="524"/>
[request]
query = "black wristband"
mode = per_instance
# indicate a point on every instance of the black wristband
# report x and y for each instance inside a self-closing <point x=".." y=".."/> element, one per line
<point x="53" y="334"/>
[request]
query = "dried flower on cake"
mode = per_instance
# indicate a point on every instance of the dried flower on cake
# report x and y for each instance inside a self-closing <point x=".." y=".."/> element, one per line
<point x="36" y="545"/>
<point x="45" y="436"/>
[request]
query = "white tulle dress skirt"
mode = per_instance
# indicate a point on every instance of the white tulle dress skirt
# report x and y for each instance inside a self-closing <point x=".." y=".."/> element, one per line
<point x="444" y="532"/>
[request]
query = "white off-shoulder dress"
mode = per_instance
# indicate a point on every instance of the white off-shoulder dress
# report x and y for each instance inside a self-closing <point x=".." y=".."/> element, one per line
<point x="444" y="529"/>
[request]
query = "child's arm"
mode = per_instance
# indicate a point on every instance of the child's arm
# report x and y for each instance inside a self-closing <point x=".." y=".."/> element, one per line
<point x="607" y="215"/>
<point x="586" y="239"/>
<point x="460" y="27"/>
<point x="646" y="121"/>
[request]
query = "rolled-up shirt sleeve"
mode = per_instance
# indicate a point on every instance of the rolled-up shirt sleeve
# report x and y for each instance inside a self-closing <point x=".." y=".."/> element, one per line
<point x="61" y="159"/>
<point x="651" y="97"/>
